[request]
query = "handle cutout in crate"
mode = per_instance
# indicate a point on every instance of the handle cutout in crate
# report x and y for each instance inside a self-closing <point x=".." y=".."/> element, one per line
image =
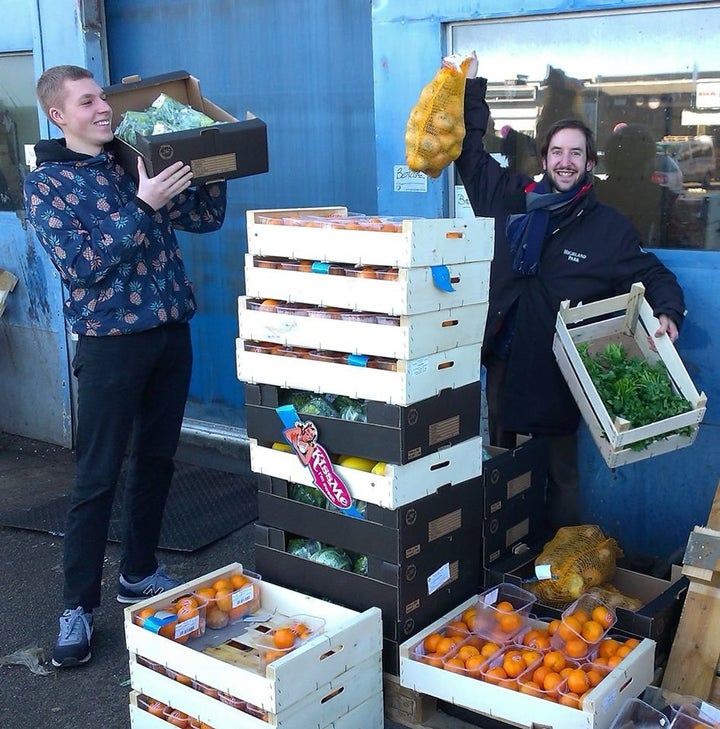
<point x="302" y="436"/>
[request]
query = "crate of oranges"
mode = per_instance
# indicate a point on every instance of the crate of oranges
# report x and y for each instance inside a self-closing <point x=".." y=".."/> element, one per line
<point x="451" y="661"/>
<point x="312" y="643"/>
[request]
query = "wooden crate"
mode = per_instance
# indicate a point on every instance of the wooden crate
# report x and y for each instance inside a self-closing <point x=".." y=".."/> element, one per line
<point x="599" y="708"/>
<point x="350" y="638"/>
<point x="412" y="381"/>
<point x="414" y="292"/>
<point x="422" y="242"/>
<point x="627" y="320"/>
<point x="416" y="336"/>
<point x="398" y="486"/>
<point x="367" y="714"/>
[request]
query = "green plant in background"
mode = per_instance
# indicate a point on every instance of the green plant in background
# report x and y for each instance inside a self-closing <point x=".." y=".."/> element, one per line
<point x="634" y="389"/>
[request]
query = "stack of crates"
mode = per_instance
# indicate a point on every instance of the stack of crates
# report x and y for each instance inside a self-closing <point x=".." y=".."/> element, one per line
<point x="390" y="313"/>
<point x="191" y="670"/>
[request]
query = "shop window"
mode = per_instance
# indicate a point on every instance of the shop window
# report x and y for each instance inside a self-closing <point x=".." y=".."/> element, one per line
<point x="18" y="124"/>
<point x="650" y="92"/>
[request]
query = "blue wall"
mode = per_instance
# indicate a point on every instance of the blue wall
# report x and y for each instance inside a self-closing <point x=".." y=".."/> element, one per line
<point x="304" y="67"/>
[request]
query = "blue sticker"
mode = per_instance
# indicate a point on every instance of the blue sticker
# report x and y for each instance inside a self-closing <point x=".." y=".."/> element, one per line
<point x="320" y="267"/>
<point x="358" y="360"/>
<point x="441" y="278"/>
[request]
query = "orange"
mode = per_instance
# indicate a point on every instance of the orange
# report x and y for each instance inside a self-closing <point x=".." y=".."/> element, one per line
<point x="513" y="664"/>
<point x="623" y="650"/>
<point x="456" y="628"/>
<point x="185" y="601"/>
<point x="570" y="627"/>
<point x="551" y="681"/>
<point x="530" y="656"/>
<point x="576" y="648"/>
<point x="603" y="615"/>
<point x="204" y="595"/>
<point x="594" y="677"/>
<point x="600" y="661"/>
<point x="157" y="708"/>
<point x="446" y="644"/>
<point x="614" y="660"/>
<point x="455" y="665"/>
<point x="431" y="641"/>
<point x="468" y="651"/>
<point x="468" y="617"/>
<point x="186" y="612"/>
<point x="268" y="305"/>
<point x="581" y="616"/>
<point x="177" y="718"/>
<point x="504" y="606"/>
<point x="223" y="599"/>
<point x="141" y="615"/>
<point x="531" y="688"/>
<point x="632" y="643"/>
<point x="300" y="629"/>
<point x="539" y="674"/>
<point x="555" y="660"/>
<point x="433" y="659"/>
<point x="472" y="665"/>
<point x="569" y="699"/>
<point x="495" y="675"/>
<point x="283" y="638"/>
<point x="238" y="581"/>
<point x="489" y="648"/>
<point x="271" y="656"/>
<point x="216" y="618"/>
<point x="592" y="631"/>
<point x="578" y="681"/>
<point x="608" y="647"/>
<point x="222" y="583"/>
<point x="553" y="625"/>
<point x="510" y="622"/>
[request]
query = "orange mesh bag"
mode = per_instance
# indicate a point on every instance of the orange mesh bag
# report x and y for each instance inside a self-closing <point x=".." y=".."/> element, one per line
<point x="580" y="557"/>
<point x="436" y="126"/>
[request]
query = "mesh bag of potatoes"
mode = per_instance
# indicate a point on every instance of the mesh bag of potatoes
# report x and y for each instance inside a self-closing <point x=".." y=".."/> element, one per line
<point x="436" y="126"/>
<point x="580" y="558"/>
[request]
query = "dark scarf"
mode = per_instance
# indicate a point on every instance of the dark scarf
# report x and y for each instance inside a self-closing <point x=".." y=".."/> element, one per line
<point x="526" y="232"/>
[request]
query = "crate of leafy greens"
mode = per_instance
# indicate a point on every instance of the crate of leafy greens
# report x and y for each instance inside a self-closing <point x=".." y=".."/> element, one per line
<point x="631" y="387"/>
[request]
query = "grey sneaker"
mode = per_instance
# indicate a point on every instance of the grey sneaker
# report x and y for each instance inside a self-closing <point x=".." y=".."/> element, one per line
<point x="154" y="584"/>
<point x="73" y="643"/>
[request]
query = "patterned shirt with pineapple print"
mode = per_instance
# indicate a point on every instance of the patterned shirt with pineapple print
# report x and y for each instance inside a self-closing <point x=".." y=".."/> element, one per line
<point x="119" y="260"/>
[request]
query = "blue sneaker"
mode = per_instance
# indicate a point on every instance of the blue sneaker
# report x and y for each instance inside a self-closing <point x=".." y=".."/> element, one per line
<point x="132" y="592"/>
<point x="73" y="643"/>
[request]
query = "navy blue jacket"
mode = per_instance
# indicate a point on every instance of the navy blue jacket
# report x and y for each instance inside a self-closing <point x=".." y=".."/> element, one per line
<point x="596" y="254"/>
<point x="119" y="259"/>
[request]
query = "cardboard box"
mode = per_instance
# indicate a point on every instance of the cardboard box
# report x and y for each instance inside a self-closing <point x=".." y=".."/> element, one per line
<point x="657" y="619"/>
<point x="421" y="242"/>
<point x="399" y="485"/>
<point x="413" y="380"/>
<point x="599" y="708"/>
<point x="392" y="433"/>
<point x="413" y="336"/>
<point x="219" y="660"/>
<point x="410" y="595"/>
<point x="514" y="499"/>
<point x="232" y="149"/>
<point x="626" y="320"/>
<point x="398" y="536"/>
<point x="415" y="291"/>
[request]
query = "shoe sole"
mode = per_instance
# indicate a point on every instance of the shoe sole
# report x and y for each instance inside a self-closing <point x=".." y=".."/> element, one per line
<point x="70" y="662"/>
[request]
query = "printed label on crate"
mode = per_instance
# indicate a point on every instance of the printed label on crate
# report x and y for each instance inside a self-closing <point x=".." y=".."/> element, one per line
<point x="436" y="580"/>
<point x="302" y="436"/>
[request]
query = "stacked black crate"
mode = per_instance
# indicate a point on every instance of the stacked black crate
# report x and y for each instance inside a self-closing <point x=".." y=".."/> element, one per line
<point x="390" y="314"/>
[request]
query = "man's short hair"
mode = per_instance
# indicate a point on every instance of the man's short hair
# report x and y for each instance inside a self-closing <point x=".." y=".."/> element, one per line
<point x="590" y="147"/>
<point x="49" y="87"/>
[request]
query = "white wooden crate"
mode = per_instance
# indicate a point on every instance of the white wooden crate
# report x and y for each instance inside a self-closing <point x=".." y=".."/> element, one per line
<point x="414" y="380"/>
<point x="422" y="242"/>
<point x="349" y="638"/>
<point x="322" y="707"/>
<point x="626" y="320"/>
<point x="399" y="485"/>
<point x="599" y="708"/>
<point x="416" y="336"/>
<point x="414" y="291"/>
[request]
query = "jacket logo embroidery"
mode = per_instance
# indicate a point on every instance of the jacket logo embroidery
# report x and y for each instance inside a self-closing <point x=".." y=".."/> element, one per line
<point x="573" y="256"/>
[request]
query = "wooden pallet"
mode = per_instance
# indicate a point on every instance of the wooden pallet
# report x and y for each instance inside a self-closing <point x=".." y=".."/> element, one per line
<point x="7" y="284"/>
<point x="693" y="666"/>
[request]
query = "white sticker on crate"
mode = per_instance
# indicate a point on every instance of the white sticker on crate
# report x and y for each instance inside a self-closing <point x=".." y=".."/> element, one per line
<point x="438" y="578"/>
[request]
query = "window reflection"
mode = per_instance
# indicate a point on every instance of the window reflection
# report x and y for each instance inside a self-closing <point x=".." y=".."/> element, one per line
<point x="650" y="93"/>
<point x="18" y="124"/>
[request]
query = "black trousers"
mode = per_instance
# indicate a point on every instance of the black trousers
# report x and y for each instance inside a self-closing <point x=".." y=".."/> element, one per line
<point x="562" y="505"/>
<point x="131" y="390"/>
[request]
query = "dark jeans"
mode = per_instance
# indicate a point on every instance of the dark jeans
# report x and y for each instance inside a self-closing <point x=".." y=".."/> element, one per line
<point x="131" y="388"/>
<point x="562" y="502"/>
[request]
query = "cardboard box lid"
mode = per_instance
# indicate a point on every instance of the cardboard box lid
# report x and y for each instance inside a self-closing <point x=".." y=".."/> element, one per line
<point x="134" y="93"/>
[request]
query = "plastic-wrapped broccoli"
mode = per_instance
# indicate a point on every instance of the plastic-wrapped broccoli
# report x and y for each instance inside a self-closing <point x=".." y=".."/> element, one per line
<point x="307" y="495"/>
<point x="301" y="547"/>
<point x="135" y="122"/>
